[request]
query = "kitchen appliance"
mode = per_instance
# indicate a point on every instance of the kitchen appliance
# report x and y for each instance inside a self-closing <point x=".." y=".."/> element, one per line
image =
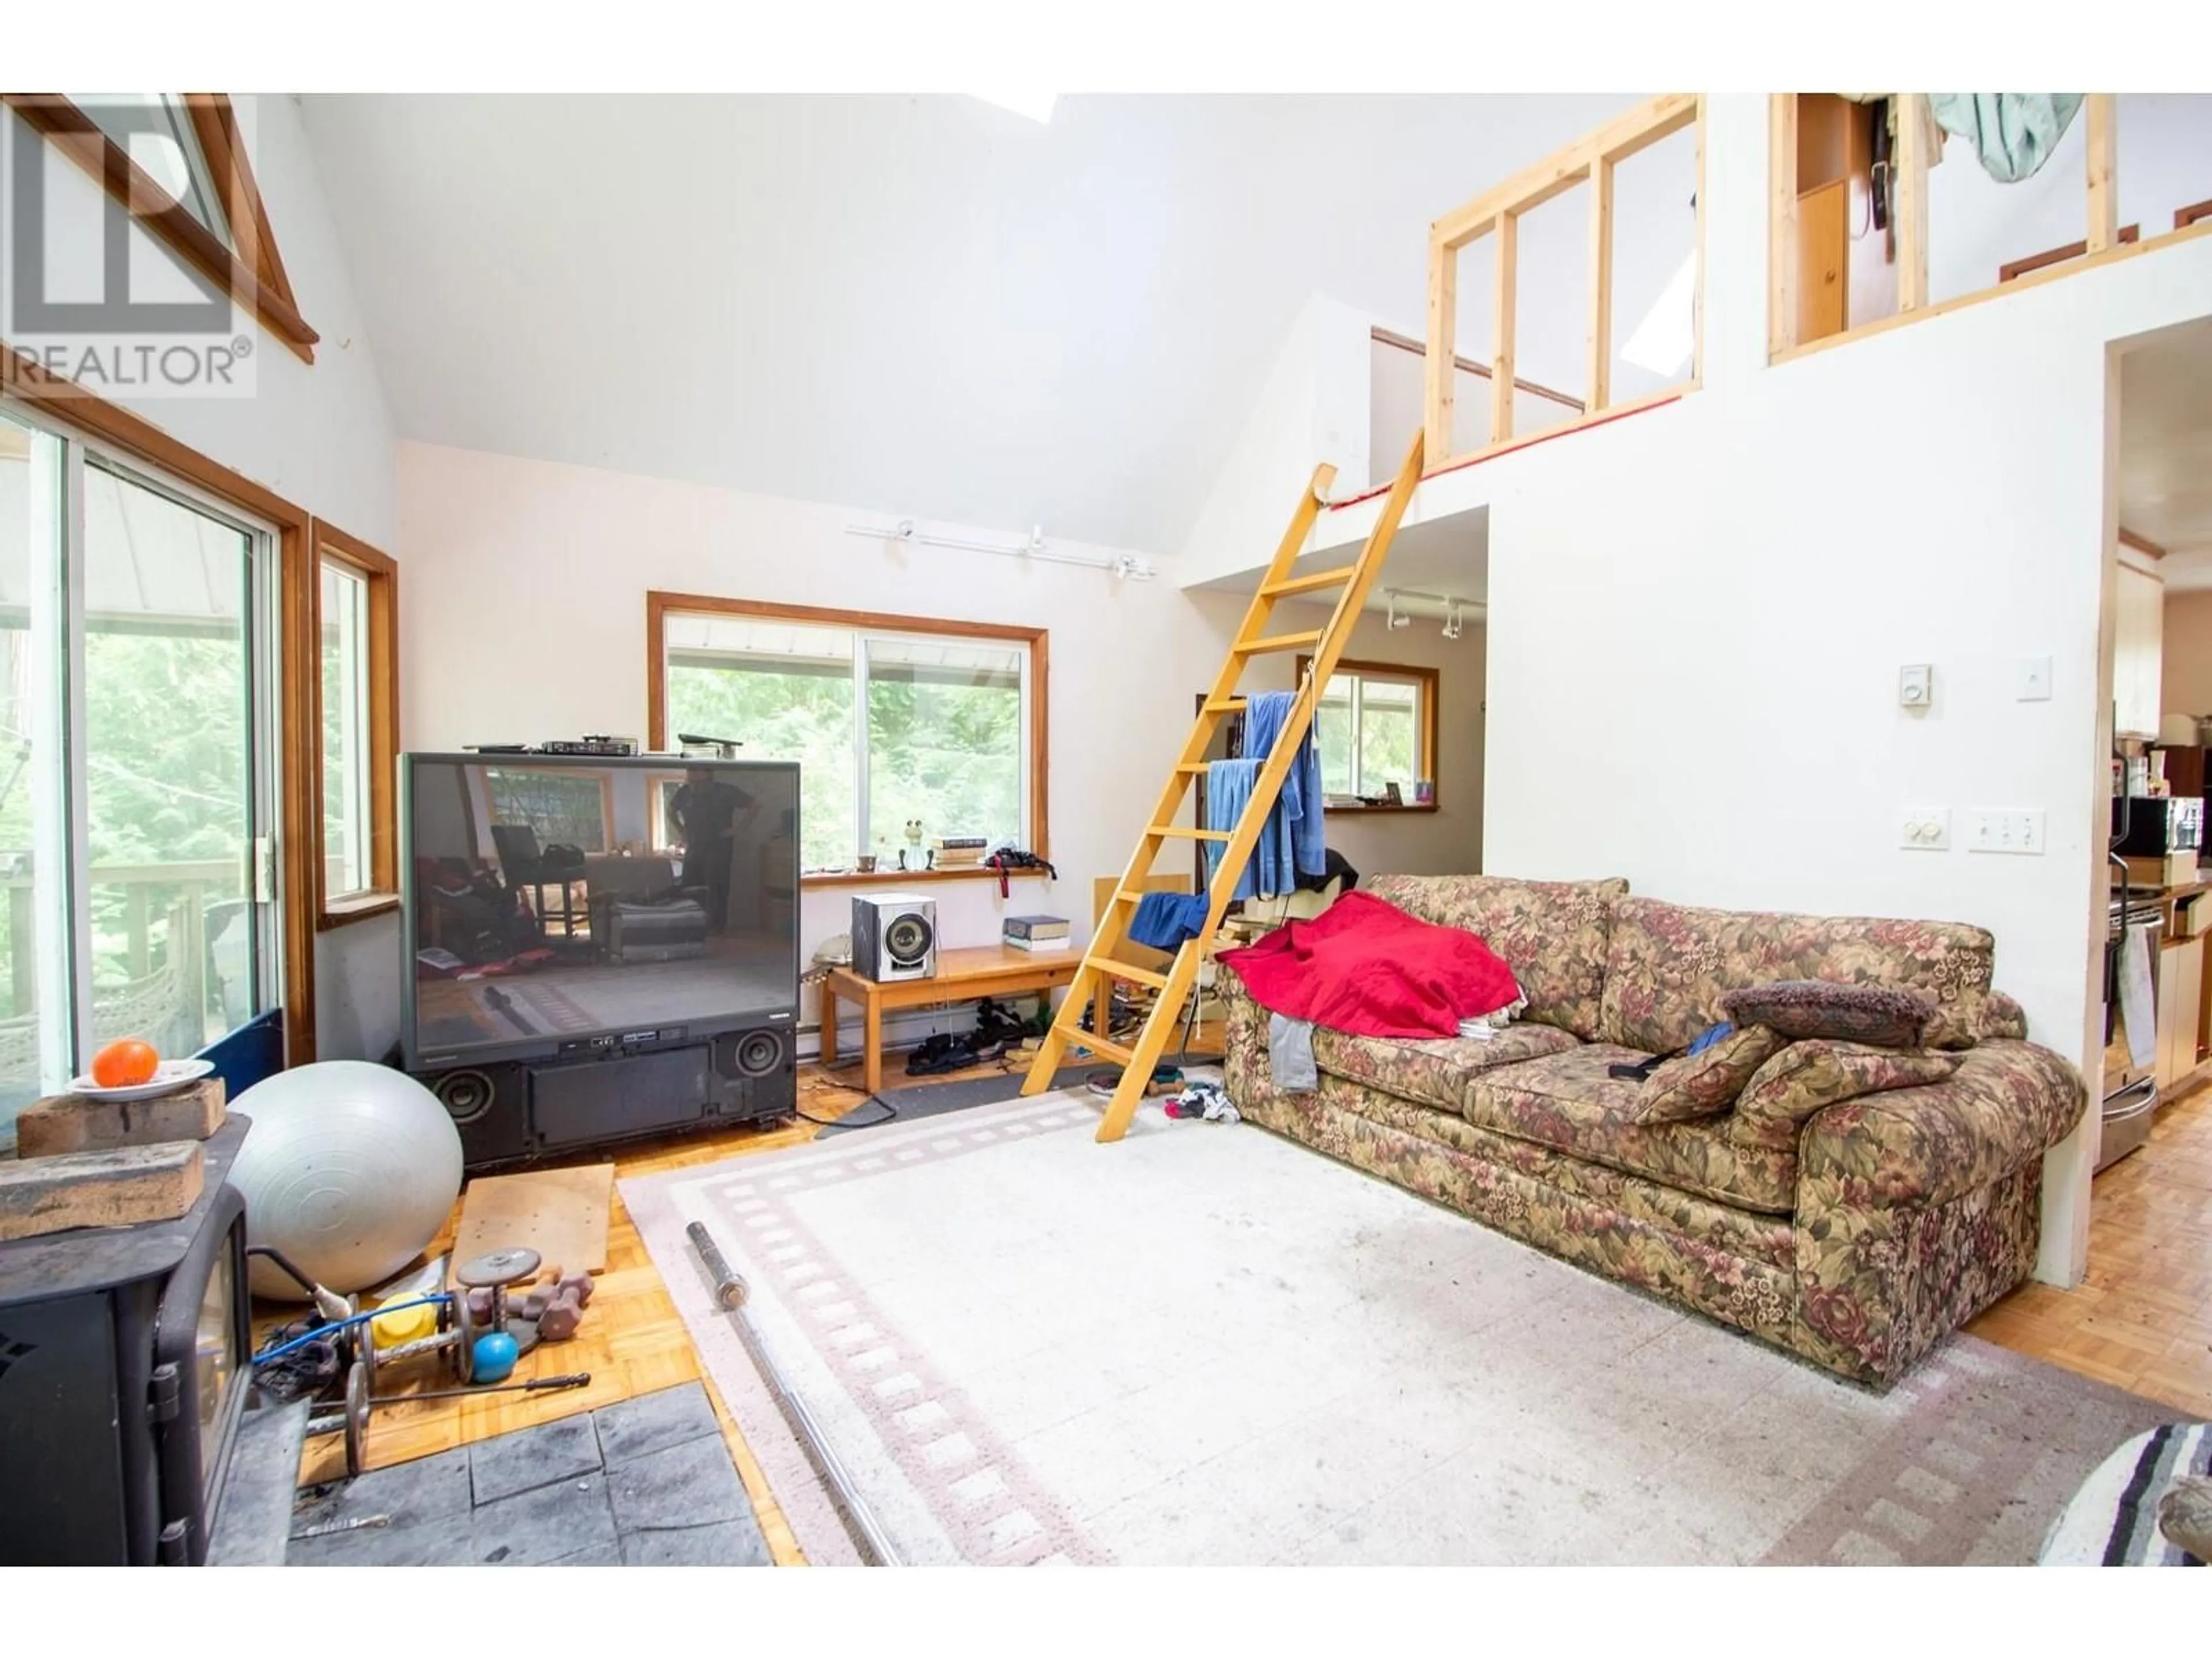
<point x="2129" y="1095"/>
<point x="894" y="937"/>
<point x="2155" y="826"/>
<point x="123" y="1367"/>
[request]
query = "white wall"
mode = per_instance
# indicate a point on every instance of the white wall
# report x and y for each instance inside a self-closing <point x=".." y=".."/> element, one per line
<point x="523" y="614"/>
<point x="1698" y="616"/>
<point x="319" y="436"/>
<point x="1313" y="408"/>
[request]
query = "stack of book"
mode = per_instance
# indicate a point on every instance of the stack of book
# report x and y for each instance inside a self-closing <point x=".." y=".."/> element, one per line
<point x="957" y="851"/>
<point x="1038" y="933"/>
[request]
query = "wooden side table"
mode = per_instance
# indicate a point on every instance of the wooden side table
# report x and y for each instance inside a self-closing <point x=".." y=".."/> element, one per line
<point x="981" y="971"/>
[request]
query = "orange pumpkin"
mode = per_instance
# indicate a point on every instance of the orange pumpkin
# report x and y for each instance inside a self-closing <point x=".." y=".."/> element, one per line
<point x="126" y="1063"/>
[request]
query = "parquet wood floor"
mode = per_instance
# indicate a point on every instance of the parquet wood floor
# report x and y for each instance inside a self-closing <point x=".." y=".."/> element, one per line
<point x="2142" y="1320"/>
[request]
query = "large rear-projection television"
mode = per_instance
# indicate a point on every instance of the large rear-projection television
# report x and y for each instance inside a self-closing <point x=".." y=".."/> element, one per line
<point x="567" y="907"/>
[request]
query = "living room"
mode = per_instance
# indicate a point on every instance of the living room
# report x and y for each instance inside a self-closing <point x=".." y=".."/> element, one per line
<point x="659" y="686"/>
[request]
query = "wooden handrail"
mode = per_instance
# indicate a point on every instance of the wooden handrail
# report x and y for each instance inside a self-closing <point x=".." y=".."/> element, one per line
<point x="1390" y="336"/>
<point x="1496" y="213"/>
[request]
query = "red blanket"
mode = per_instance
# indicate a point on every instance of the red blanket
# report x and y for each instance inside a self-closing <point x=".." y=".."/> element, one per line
<point x="1366" y="967"/>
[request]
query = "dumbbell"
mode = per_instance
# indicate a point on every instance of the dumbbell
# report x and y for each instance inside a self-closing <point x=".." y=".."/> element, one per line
<point x="555" y="1305"/>
<point x="455" y="1338"/>
<point x="351" y="1419"/>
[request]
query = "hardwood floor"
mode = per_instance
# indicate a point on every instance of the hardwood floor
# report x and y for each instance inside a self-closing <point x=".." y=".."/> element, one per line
<point x="632" y="1342"/>
<point x="2142" y="1321"/>
<point x="2142" y="1318"/>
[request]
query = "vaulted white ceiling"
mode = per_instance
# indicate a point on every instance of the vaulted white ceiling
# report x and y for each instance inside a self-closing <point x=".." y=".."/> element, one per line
<point x="922" y="304"/>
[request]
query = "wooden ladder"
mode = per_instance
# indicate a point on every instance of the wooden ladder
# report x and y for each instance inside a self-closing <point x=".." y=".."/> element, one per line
<point x="1092" y="985"/>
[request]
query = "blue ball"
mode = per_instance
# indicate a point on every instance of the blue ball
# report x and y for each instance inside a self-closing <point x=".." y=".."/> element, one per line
<point x="496" y="1354"/>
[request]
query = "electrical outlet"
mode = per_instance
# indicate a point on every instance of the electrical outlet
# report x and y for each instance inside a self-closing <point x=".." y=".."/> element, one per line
<point x="1925" y="829"/>
<point x="2005" y="829"/>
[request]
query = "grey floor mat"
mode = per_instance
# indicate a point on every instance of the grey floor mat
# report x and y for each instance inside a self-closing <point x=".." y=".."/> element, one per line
<point x="644" y="1482"/>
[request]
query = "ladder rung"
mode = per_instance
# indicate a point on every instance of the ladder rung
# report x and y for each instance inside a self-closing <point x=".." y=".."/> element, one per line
<point x="1181" y="834"/>
<point x="1336" y="578"/>
<point x="1104" y="1048"/>
<point x="1224" y="705"/>
<point x="1130" y="971"/>
<point x="1278" y="643"/>
<point x="1198" y="769"/>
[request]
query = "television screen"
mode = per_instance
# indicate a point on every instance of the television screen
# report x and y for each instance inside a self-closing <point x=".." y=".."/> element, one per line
<point x="555" y="900"/>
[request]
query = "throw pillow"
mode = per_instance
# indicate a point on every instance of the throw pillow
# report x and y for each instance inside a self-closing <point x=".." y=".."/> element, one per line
<point x="1803" y="1008"/>
<point x="1800" y="1079"/>
<point x="1705" y="1084"/>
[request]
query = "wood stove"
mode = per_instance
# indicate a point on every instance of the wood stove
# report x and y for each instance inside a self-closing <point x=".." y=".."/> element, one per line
<point x="124" y="1365"/>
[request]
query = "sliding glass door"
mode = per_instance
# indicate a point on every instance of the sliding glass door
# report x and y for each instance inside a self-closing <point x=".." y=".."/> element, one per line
<point x="137" y="774"/>
<point x="34" y="1019"/>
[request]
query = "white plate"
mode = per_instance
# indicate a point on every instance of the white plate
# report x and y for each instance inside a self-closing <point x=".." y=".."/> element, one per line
<point x="169" y="1076"/>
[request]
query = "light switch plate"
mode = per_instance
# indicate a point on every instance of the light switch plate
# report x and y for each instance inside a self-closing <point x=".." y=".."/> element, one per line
<point x="1925" y="829"/>
<point x="1916" y="684"/>
<point x="2034" y="680"/>
<point x="2004" y="829"/>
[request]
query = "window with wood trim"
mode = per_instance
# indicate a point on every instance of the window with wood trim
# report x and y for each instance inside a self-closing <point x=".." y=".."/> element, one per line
<point x="356" y="727"/>
<point x="1376" y="730"/>
<point x="177" y="163"/>
<point x="908" y="730"/>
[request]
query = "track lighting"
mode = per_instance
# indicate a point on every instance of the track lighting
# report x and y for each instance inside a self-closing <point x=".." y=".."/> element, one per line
<point x="1394" y="620"/>
<point x="906" y="532"/>
<point x="1451" y="621"/>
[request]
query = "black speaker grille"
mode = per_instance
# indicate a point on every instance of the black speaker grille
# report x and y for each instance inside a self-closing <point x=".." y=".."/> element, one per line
<point x="759" y="1052"/>
<point x="906" y="939"/>
<point x="466" y="1096"/>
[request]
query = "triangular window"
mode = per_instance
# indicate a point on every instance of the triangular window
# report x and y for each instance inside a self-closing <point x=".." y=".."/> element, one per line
<point x="175" y="160"/>
<point x="155" y="131"/>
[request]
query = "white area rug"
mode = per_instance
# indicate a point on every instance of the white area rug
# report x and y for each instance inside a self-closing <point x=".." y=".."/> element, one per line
<point x="1208" y="1344"/>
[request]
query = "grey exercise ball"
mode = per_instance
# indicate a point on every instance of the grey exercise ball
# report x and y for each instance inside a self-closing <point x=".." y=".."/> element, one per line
<point x="350" y="1169"/>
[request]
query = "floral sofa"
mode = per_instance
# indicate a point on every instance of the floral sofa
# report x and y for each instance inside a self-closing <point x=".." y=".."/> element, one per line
<point x="1856" y="1232"/>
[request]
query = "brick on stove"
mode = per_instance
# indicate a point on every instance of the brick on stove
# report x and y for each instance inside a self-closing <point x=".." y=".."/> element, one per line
<point x="121" y="1186"/>
<point x="78" y="1123"/>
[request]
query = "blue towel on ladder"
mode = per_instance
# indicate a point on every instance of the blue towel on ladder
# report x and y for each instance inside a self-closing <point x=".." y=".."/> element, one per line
<point x="1228" y="787"/>
<point x="1164" y="921"/>
<point x="1299" y="808"/>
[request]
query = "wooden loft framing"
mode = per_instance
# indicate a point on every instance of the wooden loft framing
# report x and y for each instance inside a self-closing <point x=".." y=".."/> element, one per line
<point x="2104" y="241"/>
<point x="1496" y="214"/>
<point x="1398" y="342"/>
<point x="250" y="270"/>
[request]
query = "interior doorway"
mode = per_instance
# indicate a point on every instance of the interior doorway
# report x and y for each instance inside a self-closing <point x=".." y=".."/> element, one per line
<point x="2156" y="991"/>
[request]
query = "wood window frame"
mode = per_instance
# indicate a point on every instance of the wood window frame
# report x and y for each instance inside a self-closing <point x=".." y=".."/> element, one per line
<point x="249" y="270"/>
<point x="299" y="762"/>
<point x="1430" y="703"/>
<point x="1037" y="640"/>
<point x="381" y="573"/>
